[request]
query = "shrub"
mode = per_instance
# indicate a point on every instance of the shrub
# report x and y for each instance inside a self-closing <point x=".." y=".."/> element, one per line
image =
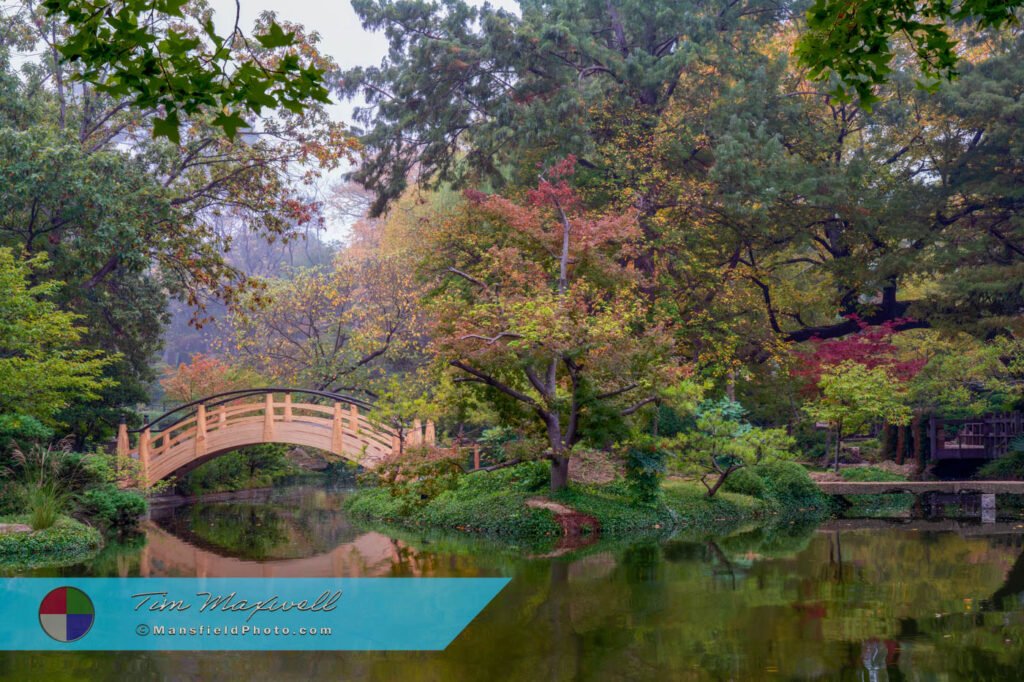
<point x="618" y="514"/>
<point x="689" y="501"/>
<point x="417" y="476"/>
<point x="23" y="430"/>
<point x="66" y="541"/>
<point x="497" y="513"/>
<point x="1009" y="466"/>
<point x="526" y="477"/>
<point x="255" y="466"/>
<point x="746" y="482"/>
<point x="112" y="507"/>
<point x="645" y="466"/>
<point x="789" y="484"/>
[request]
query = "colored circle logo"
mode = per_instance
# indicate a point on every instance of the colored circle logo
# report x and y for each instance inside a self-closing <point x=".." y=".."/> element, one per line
<point x="66" y="614"/>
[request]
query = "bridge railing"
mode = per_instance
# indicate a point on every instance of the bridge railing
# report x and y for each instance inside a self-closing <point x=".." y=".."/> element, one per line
<point x="984" y="437"/>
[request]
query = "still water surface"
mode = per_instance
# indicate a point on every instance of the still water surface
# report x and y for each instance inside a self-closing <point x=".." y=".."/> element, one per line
<point x="848" y="600"/>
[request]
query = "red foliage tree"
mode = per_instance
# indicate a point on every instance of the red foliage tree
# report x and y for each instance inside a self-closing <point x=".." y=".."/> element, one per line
<point x="872" y="347"/>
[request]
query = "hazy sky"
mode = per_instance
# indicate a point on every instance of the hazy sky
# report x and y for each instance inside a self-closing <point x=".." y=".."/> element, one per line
<point x="341" y="36"/>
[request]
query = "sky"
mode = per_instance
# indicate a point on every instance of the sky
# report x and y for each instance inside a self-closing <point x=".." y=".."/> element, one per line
<point x="341" y="36"/>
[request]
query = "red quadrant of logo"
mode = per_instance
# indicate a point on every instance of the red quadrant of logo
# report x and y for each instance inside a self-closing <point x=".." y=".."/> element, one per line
<point x="55" y="602"/>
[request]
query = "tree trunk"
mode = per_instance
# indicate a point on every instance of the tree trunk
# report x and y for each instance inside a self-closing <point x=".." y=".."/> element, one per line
<point x="839" y="444"/>
<point x="559" y="472"/>
<point x="718" y="484"/>
<point x="901" y="443"/>
<point x="915" y="433"/>
<point x="887" y="442"/>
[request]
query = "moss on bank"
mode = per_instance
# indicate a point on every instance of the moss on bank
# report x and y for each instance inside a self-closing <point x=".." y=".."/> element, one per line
<point x="66" y="542"/>
<point x="495" y="503"/>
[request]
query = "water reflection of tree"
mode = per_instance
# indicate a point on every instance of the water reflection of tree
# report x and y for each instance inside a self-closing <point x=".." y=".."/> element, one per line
<point x="247" y="531"/>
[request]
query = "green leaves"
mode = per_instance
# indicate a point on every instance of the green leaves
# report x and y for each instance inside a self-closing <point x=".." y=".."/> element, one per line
<point x="849" y="43"/>
<point x="41" y="370"/>
<point x="229" y="122"/>
<point x="276" y="37"/>
<point x="853" y="396"/>
<point x="167" y="127"/>
<point x="165" y="60"/>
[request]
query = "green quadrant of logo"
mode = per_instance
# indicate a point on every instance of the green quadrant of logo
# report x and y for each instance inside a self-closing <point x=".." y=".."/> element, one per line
<point x="78" y="602"/>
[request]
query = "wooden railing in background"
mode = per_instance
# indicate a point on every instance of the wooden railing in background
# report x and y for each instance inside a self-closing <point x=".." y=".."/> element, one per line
<point x="984" y="437"/>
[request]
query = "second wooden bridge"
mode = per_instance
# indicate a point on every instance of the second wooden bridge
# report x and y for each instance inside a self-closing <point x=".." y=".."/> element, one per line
<point x="204" y="429"/>
<point x="917" y="487"/>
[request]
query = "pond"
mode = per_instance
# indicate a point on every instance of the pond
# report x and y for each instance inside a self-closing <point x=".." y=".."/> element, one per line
<point x="855" y="600"/>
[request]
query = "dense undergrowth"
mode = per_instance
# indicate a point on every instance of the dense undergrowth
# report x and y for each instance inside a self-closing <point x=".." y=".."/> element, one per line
<point x="495" y="503"/>
<point x="66" y="541"/>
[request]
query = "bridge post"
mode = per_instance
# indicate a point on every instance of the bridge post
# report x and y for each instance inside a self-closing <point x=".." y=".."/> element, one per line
<point x="416" y="434"/>
<point x="123" y="446"/>
<point x="222" y="417"/>
<point x="200" y="430"/>
<point x="353" y="416"/>
<point x="144" y="456"/>
<point x="988" y="508"/>
<point x="337" y="430"/>
<point x="268" y="419"/>
<point x="287" y="407"/>
<point x="431" y="437"/>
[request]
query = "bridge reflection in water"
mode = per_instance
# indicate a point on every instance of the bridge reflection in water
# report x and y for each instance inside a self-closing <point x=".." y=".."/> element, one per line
<point x="295" y="532"/>
<point x="368" y="555"/>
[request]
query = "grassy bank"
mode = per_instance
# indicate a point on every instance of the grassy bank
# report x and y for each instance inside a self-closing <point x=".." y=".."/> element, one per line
<point x="65" y="542"/>
<point x="495" y="503"/>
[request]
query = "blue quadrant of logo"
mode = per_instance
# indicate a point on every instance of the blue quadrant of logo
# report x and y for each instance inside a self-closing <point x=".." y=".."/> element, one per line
<point x="210" y="614"/>
<point x="78" y="625"/>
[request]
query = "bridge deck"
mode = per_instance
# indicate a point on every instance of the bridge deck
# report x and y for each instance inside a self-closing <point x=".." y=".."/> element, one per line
<point x="883" y="487"/>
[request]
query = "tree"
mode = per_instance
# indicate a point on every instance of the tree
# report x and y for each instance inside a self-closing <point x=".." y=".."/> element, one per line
<point x="41" y="368"/>
<point x="853" y="397"/>
<point x="127" y="221"/>
<point x="559" y="79"/>
<point x="329" y="328"/>
<point x="539" y="305"/>
<point x="165" y="56"/>
<point x="204" y="375"/>
<point x="872" y="346"/>
<point x="966" y="377"/>
<point x="752" y="186"/>
<point x="402" y="398"/>
<point x="721" y="442"/>
<point x="853" y="40"/>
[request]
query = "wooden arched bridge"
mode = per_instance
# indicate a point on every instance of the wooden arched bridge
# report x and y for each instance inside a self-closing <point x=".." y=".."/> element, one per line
<point x="182" y="439"/>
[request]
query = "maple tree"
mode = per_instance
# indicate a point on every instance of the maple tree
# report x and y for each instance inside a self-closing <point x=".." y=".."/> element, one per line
<point x="539" y="305"/>
<point x="873" y="346"/>
<point x="204" y="375"/>
<point x="854" y="396"/>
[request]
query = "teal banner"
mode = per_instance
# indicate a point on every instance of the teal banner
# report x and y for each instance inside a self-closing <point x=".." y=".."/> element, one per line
<point x="232" y="614"/>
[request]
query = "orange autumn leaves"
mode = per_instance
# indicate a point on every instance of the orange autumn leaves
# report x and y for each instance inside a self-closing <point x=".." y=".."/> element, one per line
<point x="554" y="204"/>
